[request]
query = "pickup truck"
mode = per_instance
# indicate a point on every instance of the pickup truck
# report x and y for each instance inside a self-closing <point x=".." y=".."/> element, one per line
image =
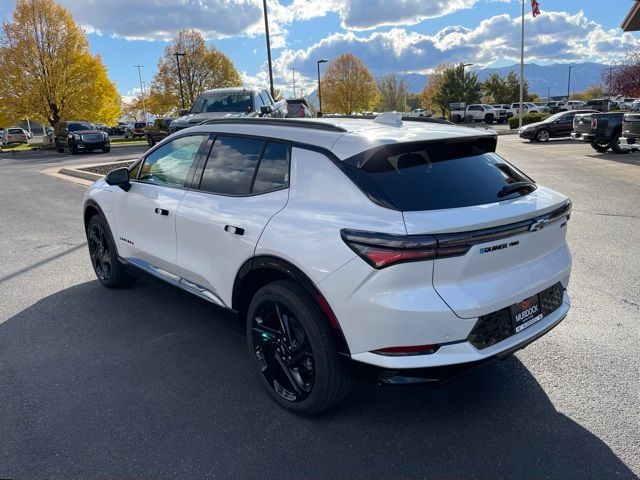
<point x="528" y="108"/>
<point x="631" y="128"/>
<point x="229" y="102"/>
<point x="478" y="112"/>
<point x="601" y="130"/>
<point x="158" y="131"/>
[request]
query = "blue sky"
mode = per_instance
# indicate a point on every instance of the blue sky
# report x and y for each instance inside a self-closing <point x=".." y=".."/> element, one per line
<point x="389" y="35"/>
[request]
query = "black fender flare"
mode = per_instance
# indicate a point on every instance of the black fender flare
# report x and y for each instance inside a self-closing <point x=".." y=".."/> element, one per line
<point x="290" y="271"/>
<point x="90" y="203"/>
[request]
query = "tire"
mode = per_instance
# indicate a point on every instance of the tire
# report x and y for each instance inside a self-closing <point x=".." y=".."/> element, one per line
<point x="59" y="148"/>
<point x="104" y="260"/>
<point x="106" y="150"/>
<point x="615" y="145"/>
<point x="72" y="149"/>
<point x="543" y="135"/>
<point x="599" y="147"/>
<point x="316" y="380"/>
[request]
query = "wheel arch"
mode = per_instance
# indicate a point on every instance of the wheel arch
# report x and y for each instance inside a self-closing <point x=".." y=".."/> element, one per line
<point x="92" y="208"/>
<point x="264" y="269"/>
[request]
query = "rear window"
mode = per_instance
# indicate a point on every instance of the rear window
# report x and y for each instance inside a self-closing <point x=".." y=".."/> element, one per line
<point x="434" y="175"/>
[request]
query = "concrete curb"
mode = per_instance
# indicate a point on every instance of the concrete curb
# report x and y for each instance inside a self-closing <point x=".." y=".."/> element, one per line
<point x="72" y="172"/>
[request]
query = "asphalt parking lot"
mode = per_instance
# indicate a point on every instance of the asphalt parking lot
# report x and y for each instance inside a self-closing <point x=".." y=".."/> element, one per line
<point x="152" y="383"/>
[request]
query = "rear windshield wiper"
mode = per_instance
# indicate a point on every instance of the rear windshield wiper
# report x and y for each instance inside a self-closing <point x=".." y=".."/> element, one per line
<point x="514" y="187"/>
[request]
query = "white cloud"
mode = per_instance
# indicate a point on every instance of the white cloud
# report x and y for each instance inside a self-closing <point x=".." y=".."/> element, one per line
<point x="552" y="37"/>
<point x="162" y="20"/>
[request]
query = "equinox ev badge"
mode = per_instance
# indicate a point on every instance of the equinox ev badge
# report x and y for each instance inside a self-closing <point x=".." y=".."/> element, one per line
<point x="538" y="224"/>
<point x="501" y="246"/>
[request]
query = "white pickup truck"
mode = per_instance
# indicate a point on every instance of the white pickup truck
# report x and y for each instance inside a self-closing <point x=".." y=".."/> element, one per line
<point x="528" y="108"/>
<point x="478" y="112"/>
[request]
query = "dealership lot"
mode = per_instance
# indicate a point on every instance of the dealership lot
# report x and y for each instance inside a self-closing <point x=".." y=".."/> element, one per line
<point x="150" y="382"/>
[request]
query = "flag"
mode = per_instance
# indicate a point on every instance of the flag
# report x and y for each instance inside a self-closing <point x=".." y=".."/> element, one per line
<point x="535" y="8"/>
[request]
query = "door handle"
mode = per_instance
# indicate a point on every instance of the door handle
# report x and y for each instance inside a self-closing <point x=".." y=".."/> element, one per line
<point x="162" y="211"/>
<point x="232" y="229"/>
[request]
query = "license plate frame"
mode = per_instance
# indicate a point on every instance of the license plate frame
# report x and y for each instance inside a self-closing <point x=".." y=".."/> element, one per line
<point x="526" y="313"/>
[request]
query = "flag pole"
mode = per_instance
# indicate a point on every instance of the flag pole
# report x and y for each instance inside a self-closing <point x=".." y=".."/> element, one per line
<point x="521" y="69"/>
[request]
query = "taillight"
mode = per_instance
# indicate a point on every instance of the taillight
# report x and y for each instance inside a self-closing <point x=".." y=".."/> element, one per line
<point x="594" y="123"/>
<point x="407" y="351"/>
<point x="301" y="112"/>
<point x="381" y="250"/>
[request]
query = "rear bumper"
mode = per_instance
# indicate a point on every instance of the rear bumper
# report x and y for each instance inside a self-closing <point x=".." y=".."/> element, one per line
<point x="630" y="142"/>
<point x="463" y="353"/>
<point x="435" y="374"/>
<point x="583" y="137"/>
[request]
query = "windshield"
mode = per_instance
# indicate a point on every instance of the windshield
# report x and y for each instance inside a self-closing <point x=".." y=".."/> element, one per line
<point x="75" y="127"/>
<point x="554" y="117"/>
<point x="635" y="107"/>
<point x="223" y="102"/>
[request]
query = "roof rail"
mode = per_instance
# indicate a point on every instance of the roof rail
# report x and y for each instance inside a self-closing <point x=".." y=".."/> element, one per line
<point x="289" y="122"/>
<point x="404" y="118"/>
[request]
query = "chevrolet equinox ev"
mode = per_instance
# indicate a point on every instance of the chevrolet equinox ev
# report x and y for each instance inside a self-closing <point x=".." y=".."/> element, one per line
<point x="407" y="251"/>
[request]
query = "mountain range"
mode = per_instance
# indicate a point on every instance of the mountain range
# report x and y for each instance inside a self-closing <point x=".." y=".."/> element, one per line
<point x="543" y="79"/>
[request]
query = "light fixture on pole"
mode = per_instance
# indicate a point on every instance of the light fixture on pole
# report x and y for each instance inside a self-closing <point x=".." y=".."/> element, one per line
<point x="319" y="93"/>
<point x="266" y="30"/>
<point x="178" y="55"/>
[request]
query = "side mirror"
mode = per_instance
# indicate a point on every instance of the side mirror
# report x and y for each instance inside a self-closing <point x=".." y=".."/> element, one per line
<point x="182" y="112"/>
<point x="120" y="178"/>
<point x="266" y="109"/>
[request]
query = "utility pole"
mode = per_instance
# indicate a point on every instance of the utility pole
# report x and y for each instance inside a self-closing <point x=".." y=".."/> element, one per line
<point x="293" y="69"/>
<point x="610" y="80"/>
<point x="178" y="55"/>
<point x="404" y="100"/>
<point x="520" y="110"/>
<point x="569" y="83"/>
<point x="144" y="107"/>
<point x="548" y="94"/>
<point x="266" y="29"/>
<point x="319" y="93"/>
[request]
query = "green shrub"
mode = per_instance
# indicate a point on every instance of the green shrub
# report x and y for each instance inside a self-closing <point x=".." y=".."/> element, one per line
<point x="527" y="119"/>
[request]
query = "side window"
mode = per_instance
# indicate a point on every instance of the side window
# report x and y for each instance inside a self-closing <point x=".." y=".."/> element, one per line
<point x="169" y="165"/>
<point x="273" y="171"/>
<point x="259" y="102"/>
<point x="231" y="165"/>
<point x="267" y="97"/>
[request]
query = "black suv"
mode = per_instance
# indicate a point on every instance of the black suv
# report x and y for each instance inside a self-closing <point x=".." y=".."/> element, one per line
<point x="80" y="136"/>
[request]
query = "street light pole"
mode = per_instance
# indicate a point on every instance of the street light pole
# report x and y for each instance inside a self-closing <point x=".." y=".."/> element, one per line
<point x="319" y="93"/>
<point x="463" y="67"/>
<point x="569" y="82"/>
<point x="144" y="107"/>
<point x="548" y="94"/>
<point x="293" y="69"/>
<point x="521" y="104"/>
<point x="266" y="29"/>
<point x="610" y="80"/>
<point x="178" y="55"/>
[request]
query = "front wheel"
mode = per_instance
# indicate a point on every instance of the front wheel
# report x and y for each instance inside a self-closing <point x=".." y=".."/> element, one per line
<point x="600" y="147"/>
<point x="106" y="149"/>
<point x="543" y="135"/>
<point x="293" y="349"/>
<point x="104" y="259"/>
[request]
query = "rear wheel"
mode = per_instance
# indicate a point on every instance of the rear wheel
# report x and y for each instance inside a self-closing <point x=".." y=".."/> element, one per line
<point x="106" y="149"/>
<point x="293" y="349"/>
<point x="104" y="260"/>
<point x="600" y="147"/>
<point x="615" y="145"/>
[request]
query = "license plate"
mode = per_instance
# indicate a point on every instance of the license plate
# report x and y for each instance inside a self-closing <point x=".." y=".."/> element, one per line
<point x="526" y="313"/>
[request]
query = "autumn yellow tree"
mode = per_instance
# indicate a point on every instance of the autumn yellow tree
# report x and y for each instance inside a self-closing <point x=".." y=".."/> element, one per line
<point x="47" y="71"/>
<point x="347" y="86"/>
<point x="428" y="95"/>
<point x="202" y="68"/>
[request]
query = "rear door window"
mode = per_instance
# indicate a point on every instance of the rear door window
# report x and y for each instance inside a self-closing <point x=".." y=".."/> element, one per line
<point x="434" y="175"/>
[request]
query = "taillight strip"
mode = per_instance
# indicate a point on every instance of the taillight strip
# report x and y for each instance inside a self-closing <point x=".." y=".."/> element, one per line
<point x="382" y="249"/>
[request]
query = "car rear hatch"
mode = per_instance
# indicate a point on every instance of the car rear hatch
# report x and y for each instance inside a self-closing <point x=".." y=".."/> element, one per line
<point x="499" y="238"/>
<point x="631" y="126"/>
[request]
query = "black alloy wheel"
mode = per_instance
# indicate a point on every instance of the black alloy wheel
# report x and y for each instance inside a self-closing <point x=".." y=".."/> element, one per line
<point x="100" y="252"/>
<point x="282" y="351"/>
<point x="293" y="349"/>
<point x="104" y="259"/>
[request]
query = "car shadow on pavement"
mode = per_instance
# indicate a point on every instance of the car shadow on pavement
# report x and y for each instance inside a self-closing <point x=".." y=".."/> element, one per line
<point x="148" y="382"/>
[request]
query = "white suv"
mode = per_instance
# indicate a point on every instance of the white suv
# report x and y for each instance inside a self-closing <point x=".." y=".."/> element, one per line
<point x="404" y="250"/>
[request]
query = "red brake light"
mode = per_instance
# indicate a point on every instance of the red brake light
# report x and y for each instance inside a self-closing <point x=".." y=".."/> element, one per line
<point x="406" y="351"/>
<point x="594" y="123"/>
<point x="381" y="250"/>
